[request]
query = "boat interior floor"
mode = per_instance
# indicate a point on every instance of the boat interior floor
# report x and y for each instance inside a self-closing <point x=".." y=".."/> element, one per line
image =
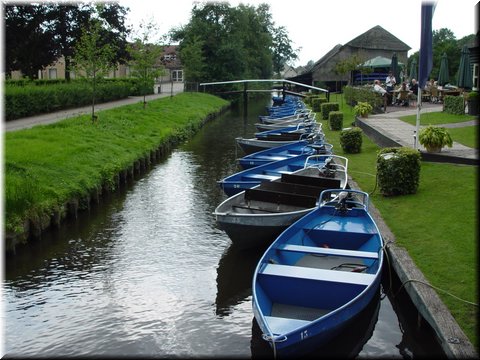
<point x="330" y="262"/>
<point x="297" y="312"/>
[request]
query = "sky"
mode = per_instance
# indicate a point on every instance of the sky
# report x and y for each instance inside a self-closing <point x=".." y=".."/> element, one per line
<point x="317" y="26"/>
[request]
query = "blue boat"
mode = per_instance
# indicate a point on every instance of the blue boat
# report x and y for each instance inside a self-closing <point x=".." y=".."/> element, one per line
<point x="302" y="121"/>
<point x="252" y="145"/>
<point x="249" y="178"/>
<point x="255" y="217"/>
<point x="284" y="152"/>
<point x="318" y="274"/>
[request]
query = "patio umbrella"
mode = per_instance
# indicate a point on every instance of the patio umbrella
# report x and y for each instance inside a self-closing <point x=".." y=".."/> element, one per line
<point x="464" y="75"/>
<point x="413" y="69"/>
<point x="394" y="68"/>
<point x="443" y="72"/>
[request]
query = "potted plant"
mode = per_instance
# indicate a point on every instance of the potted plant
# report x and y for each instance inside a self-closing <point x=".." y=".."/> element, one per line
<point x="362" y="109"/>
<point x="473" y="101"/>
<point x="434" y="138"/>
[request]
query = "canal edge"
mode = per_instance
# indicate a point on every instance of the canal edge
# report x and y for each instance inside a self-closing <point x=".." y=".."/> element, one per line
<point x="35" y="226"/>
<point x="450" y="336"/>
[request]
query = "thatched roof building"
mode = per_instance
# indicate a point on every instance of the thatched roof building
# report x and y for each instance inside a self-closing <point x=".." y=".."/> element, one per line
<point x="375" y="42"/>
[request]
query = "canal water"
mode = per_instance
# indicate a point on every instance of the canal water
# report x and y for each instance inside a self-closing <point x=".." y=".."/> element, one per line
<point x="148" y="274"/>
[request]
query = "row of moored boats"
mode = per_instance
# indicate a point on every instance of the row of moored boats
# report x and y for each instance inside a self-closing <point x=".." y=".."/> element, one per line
<point x="322" y="265"/>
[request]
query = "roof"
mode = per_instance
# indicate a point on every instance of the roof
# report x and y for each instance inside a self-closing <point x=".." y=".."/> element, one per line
<point x="378" y="38"/>
<point x="328" y="56"/>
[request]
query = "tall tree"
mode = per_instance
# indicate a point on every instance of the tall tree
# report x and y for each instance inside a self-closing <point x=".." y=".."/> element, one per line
<point x="145" y="56"/>
<point x="92" y="59"/>
<point x="28" y="38"/>
<point x="229" y="42"/>
<point x="282" y="49"/>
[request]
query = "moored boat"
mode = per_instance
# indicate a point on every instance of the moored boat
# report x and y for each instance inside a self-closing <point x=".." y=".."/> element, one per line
<point x="256" y="216"/>
<point x="284" y="152"/>
<point x="318" y="274"/>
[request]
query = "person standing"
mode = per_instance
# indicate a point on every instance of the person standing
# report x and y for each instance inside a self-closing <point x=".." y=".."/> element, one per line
<point x="390" y="82"/>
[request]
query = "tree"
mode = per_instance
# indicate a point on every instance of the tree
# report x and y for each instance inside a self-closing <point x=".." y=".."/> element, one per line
<point x="145" y="57"/>
<point x="38" y="34"/>
<point x="92" y="59"/>
<point x="28" y="35"/>
<point x="282" y="49"/>
<point x="225" y="43"/>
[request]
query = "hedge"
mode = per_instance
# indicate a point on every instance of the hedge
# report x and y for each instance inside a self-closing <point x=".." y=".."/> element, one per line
<point x="351" y="140"/>
<point x="24" y="98"/>
<point x="454" y="105"/>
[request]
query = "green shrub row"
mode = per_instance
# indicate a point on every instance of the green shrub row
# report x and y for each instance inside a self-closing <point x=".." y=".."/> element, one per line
<point x="351" y="140"/>
<point x="454" y="105"/>
<point x="29" y="99"/>
<point x="335" y="120"/>
<point x="327" y="107"/>
<point x="398" y="170"/>
<point x="354" y="95"/>
<point x="316" y="103"/>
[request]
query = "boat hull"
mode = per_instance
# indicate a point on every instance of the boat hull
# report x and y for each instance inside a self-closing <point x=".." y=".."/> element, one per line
<point x="317" y="276"/>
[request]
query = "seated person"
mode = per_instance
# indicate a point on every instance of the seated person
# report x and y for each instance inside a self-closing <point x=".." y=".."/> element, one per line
<point x="380" y="90"/>
<point x="414" y="91"/>
<point x="403" y="95"/>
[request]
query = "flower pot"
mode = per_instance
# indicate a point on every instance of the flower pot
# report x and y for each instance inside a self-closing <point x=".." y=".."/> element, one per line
<point x="433" y="149"/>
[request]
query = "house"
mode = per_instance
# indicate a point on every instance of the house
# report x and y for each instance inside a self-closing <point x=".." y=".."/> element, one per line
<point x="373" y="43"/>
<point x="169" y="59"/>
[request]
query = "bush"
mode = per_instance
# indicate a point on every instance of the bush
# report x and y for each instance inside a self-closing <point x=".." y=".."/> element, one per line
<point x="353" y="95"/>
<point x="454" y="105"/>
<point x="351" y="140"/>
<point x="398" y="170"/>
<point x="28" y="98"/>
<point x="327" y="107"/>
<point x="335" y="119"/>
<point x="317" y="103"/>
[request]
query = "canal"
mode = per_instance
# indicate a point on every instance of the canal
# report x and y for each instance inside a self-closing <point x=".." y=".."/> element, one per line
<point x="148" y="274"/>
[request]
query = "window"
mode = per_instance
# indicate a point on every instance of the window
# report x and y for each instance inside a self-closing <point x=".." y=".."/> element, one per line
<point x="52" y="73"/>
<point x="177" y="75"/>
<point x="475" y="75"/>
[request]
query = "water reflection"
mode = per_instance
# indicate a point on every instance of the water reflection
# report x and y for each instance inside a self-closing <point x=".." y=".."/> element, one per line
<point x="148" y="273"/>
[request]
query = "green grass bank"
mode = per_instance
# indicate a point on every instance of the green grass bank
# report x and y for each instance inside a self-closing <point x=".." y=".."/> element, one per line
<point x="437" y="225"/>
<point x="52" y="171"/>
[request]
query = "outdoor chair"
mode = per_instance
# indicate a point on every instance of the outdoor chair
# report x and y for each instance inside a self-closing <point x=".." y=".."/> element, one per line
<point x="434" y="95"/>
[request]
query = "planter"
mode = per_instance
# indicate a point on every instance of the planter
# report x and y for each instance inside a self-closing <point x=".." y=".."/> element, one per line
<point x="473" y="107"/>
<point x="434" y="149"/>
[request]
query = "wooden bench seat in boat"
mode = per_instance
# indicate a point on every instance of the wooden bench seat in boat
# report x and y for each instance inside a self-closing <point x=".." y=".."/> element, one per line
<point x="281" y="325"/>
<point x="276" y="197"/>
<point x="300" y="272"/>
<point x="329" y="251"/>
<point x="328" y="183"/>
<point x="292" y="188"/>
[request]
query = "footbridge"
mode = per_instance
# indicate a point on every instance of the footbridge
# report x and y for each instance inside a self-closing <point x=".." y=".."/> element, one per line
<point x="280" y="85"/>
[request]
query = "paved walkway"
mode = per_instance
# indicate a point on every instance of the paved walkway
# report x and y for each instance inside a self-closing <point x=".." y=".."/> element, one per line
<point x="389" y="125"/>
<point x="49" y="118"/>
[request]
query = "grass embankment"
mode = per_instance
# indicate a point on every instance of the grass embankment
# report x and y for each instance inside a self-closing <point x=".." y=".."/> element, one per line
<point x="437" y="225"/>
<point x="47" y="166"/>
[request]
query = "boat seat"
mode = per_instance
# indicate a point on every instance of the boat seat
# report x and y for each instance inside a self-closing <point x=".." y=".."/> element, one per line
<point x="261" y="176"/>
<point x="281" y="325"/>
<point x="324" y="182"/>
<point x="280" y="186"/>
<point x="275" y="197"/>
<point x="301" y="272"/>
<point x="329" y="251"/>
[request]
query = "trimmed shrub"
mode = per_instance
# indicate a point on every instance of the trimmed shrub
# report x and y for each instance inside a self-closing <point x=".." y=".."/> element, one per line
<point x="24" y="98"/>
<point x="327" y="107"/>
<point x="351" y="140"/>
<point x="353" y="95"/>
<point x="317" y="103"/>
<point x="454" y="105"/>
<point x="335" y="120"/>
<point x="398" y="170"/>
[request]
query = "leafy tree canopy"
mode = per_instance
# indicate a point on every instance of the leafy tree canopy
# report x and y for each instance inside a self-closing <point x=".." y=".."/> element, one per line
<point x="228" y="43"/>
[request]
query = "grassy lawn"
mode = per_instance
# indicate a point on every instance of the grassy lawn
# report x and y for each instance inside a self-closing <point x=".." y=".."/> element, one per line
<point x="69" y="159"/>
<point x="464" y="135"/>
<point x="437" y="225"/>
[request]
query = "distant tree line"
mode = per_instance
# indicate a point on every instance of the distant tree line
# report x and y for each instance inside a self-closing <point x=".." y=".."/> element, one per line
<point x="36" y="35"/>
<point x="219" y="43"/>
<point x="228" y="43"/>
<point x="444" y="41"/>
